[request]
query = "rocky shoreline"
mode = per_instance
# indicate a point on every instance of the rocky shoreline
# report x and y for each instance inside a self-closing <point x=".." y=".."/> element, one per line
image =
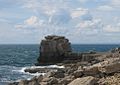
<point x="90" y="68"/>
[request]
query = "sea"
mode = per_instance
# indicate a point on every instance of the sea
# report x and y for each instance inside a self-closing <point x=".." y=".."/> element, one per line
<point x="15" y="58"/>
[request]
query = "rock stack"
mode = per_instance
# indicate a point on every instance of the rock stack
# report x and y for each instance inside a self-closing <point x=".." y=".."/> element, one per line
<point x="53" y="48"/>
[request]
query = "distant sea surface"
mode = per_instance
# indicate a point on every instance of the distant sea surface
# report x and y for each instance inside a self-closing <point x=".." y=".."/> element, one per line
<point x="14" y="58"/>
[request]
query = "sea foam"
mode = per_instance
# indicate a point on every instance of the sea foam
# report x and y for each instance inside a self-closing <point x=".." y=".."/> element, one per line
<point x="22" y="70"/>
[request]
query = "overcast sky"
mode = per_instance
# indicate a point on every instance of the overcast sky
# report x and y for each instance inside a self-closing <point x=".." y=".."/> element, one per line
<point x="82" y="21"/>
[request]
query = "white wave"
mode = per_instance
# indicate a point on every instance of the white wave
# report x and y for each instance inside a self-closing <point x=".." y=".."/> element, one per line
<point x="13" y="70"/>
<point x="37" y="74"/>
<point x="22" y="69"/>
<point x="27" y="73"/>
<point x="33" y="67"/>
<point x="55" y="66"/>
<point x="49" y="66"/>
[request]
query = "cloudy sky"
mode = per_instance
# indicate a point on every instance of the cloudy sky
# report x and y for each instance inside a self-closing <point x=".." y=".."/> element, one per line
<point x="82" y="21"/>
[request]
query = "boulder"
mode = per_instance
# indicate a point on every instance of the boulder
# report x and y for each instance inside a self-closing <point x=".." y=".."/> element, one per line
<point x="109" y="65"/>
<point x="53" y="81"/>
<point x="110" y="68"/>
<point x="91" y="70"/>
<point x="116" y="50"/>
<point x="33" y="83"/>
<point x="56" y="74"/>
<point x="110" y="80"/>
<point x="78" y="73"/>
<point x="66" y="80"/>
<point x="89" y="80"/>
<point x="49" y="81"/>
<point x="46" y="79"/>
<point x="53" y="48"/>
<point x="39" y="78"/>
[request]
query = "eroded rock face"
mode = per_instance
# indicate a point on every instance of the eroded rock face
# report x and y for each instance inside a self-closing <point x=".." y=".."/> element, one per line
<point x="53" y="48"/>
<point x="111" y="66"/>
<point x="84" y="81"/>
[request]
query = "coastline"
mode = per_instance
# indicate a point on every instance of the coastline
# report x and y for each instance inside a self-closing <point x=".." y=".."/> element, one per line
<point x="93" y="71"/>
<point x="85" y="68"/>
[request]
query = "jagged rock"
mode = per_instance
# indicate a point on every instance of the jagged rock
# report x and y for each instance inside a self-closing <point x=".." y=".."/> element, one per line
<point x="39" y="78"/>
<point x="43" y="83"/>
<point x="91" y="70"/>
<point x="23" y="82"/>
<point x="89" y="80"/>
<point x="46" y="79"/>
<point x="53" y="48"/>
<point x="109" y="65"/>
<point x="116" y="50"/>
<point x="78" y="73"/>
<point x="66" y="80"/>
<point x="59" y="74"/>
<point x="110" y="80"/>
<point x="69" y="69"/>
<point x="53" y="81"/>
<point x="34" y="80"/>
<point x="49" y="81"/>
<point x="110" y="68"/>
<point x="33" y="83"/>
<point x="56" y="74"/>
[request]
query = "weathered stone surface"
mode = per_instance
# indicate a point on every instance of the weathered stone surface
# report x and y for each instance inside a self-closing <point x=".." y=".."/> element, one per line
<point x="23" y="82"/>
<point x="110" y="68"/>
<point x="109" y="65"/>
<point x="78" y="73"/>
<point x="33" y="83"/>
<point x="91" y="70"/>
<point x="35" y="80"/>
<point x="49" y="81"/>
<point x="56" y="74"/>
<point x="84" y="81"/>
<point x="66" y="80"/>
<point x="69" y="69"/>
<point x="110" y="80"/>
<point x="116" y="50"/>
<point x="46" y="79"/>
<point x="39" y="78"/>
<point x="53" y="48"/>
<point x="53" y="81"/>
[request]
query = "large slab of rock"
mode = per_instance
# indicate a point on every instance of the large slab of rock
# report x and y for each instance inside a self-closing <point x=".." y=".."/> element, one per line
<point x="110" y="65"/>
<point x="110" y="68"/>
<point x="91" y="70"/>
<point x="110" y="80"/>
<point x="53" y="48"/>
<point x="84" y="81"/>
